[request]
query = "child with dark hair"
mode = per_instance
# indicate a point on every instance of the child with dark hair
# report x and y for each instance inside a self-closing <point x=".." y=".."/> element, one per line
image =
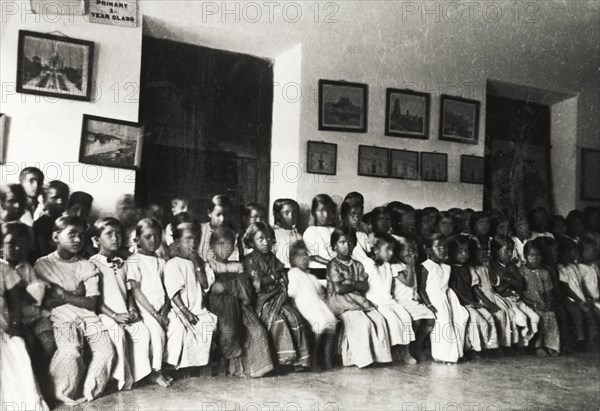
<point x="521" y="237"/>
<point x="317" y="236"/>
<point x="352" y="215"/>
<point x="380" y="278"/>
<point x="481" y="330"/>
<point x="309" y="297"/>
<point x="243" y="340"/>
<point x="219" y="214"/>
<point x="444" y="224"/>
<point x="179" y="205"/>
<point x="13" y="202"/>
<point x="508" y="283"/>
<point x="404" y="291"/>
<point x="269" y="277"/>
<point x="251" y="213"/>
<point x="32" y="181"/>
<point x="80" y="204"/>
<point x="364" y="338"/>
<point x="56" y="196"/>
<point x="285" y="215"/>
<point x="448" y="338"/>
<point x="589" y="270"/>
<point x="575" y="225"/>
<point x="538" y="293"/>
<point x="538" y="219"/>
<point x="557" y="226"/>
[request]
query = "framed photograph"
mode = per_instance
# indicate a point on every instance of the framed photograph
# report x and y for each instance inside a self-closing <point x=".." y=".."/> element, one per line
<point x="373" y="161"/>
<point x="590" y="174"/>
<point x="404" y="164"/>
<point x="343" y="106"/>
<point x="111" y="143"/>
<point x="54" y="66"/>
<point x="2" y="136"/>
<point x="459" y="119"/>
<point x="321" y="158"/>
<point x="472" y="169"/>
<point x="406" y="114"/>
<point x="434" y="166"/>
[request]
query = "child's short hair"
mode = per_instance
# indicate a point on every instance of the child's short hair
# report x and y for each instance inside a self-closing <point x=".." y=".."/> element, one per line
<point x="57" y="185"/>
<point x="278" y="206"/>
<point x="377" y="211"/>
<point x="384" y="238"/>
<point x="500" y="241"/>
<point x="295" y="249"/>
<point x="80" y="197"/>
<point x="101" y="224"/>
<point x="17" y="191"/>
<point x="355" y="198"/>
<point x="148" y="222"/>
<point x="342" y="231"/>
<point x="533" y="245"/>
<point x="253" y="229"/>
<point x="63" y="222"/>
<point x="455" y="242"/>
<point x="180" y="228"/>
<point x="178" y="200"/>
<point x="433" y="238"/>
<point x="31" y="170"/>
<point x="565" y="245"/>
<point x="219" y="233"/>
<point x="326" y="201"/>
<point x="347" y="206"/>
<point x="16" y="229"/>
<point x="219" y="200"/>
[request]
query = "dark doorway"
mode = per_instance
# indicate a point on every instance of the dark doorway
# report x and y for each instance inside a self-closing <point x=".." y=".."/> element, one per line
<point x="517" y="147"/>
<point x="207" y="115"/>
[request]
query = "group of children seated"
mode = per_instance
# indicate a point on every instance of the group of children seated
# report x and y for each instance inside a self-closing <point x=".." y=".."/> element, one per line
<point x="126" y="300"/>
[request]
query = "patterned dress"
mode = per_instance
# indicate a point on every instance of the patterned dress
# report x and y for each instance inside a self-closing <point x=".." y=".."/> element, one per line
<point x="538" y="293"/>
<point x="284" y="323"/>
<point x="364" y="338"/>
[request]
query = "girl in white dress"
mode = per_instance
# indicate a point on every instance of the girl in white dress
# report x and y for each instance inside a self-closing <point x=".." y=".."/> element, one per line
<point x="144" y="273"/>
<point x="381" y="280"/>
<point x="119" y="313"/>
<point x="317" y="237"/>
<point x="285" y="214"/>
<point x="191" y="325"/>
<point x="309" y="294"/>
<point x="447" y="339"/>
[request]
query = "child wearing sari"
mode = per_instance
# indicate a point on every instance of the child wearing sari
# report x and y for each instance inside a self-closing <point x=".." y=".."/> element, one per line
<point x="283" y="321"/>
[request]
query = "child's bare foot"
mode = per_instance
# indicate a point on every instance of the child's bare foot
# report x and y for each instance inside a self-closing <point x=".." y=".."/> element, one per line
<point x="159" y="379"/>
<point x="552" y="353"/>
<point x="69" y="401"/>
<point x="540" y="352"/>
<point x="404" y="356"/>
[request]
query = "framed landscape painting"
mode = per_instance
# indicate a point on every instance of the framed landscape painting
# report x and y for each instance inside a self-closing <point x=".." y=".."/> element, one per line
<point x="111" y="143"/>
<point x="459" y="119"/>
<point x="54" y="66"/>
<point x="407" y="114"/>
<point x="343" y="106"/>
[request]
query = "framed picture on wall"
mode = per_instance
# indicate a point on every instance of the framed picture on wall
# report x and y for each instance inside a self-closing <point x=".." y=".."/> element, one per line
<point x="404" y="164"/>
<point x="55" y="66"/>
<point x="373" y="161"/>
<point x="111" y="143"/>
<point x="590" y="174"/>
<point x="343" y="106"/>
<point x="472" y="169"/>
<point x="434" y="166"/>
<point x="459" y="119"/>
<point x="406" y="114"/>
<point x="321" y="158"/>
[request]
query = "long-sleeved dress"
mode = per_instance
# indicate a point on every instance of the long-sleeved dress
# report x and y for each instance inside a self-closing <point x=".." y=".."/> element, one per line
<point x="364" y="338"/>
<point x="448" y="336"/>
<point x="284" y="323"/>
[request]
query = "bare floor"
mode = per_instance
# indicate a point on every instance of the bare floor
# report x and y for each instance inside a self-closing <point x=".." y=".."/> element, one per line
<point x="509" y="383"/>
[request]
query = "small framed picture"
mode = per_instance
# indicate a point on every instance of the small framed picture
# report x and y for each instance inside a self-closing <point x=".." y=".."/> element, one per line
<point x="343" y="106"/>
<point x="407" y="114"/>
<point x="434" y="166"/>
<point x="111" y="143"/>
<point x="373" y="161"/>
<point x="54" y="66"/>
<point x="590" y="174"/>
<point x="321" y="158"/>
<point x="459" y="119"/>
<point x="404" y="164"/>
<point x="472" y="169"/>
